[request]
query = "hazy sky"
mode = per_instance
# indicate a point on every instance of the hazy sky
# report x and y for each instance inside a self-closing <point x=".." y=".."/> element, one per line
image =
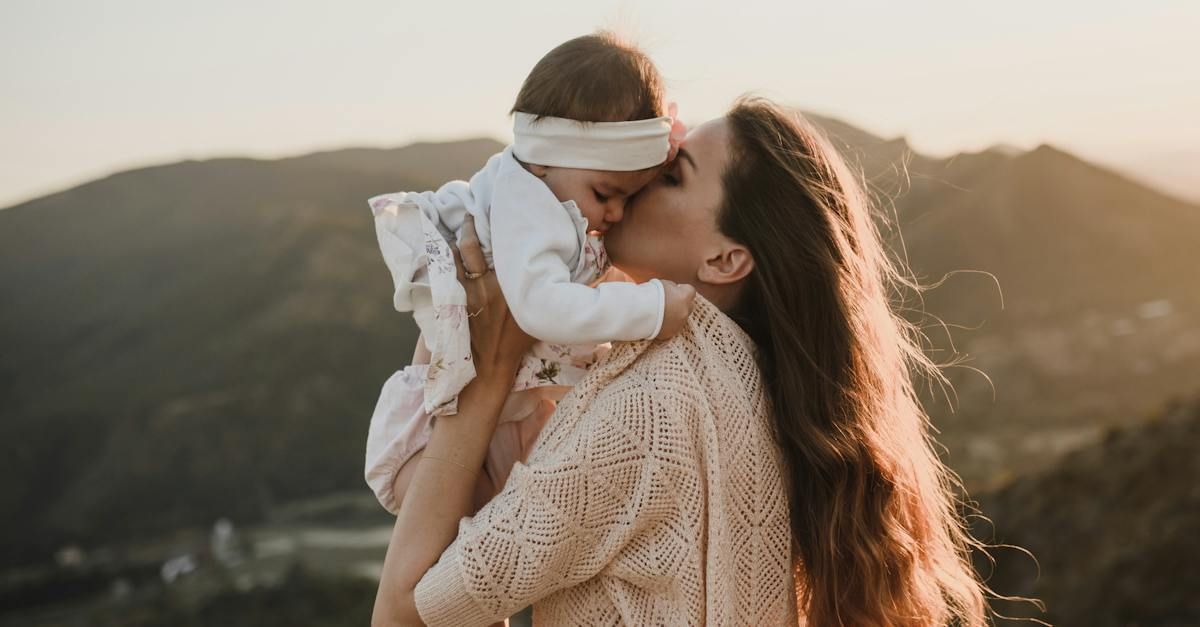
<point x="90" y="88"/>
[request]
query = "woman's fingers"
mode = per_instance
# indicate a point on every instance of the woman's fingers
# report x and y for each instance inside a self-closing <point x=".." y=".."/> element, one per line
<point x="496" y="341"/>
<point x="458" y="262"/>
<point x="470" y="248"/>
<point x="471" y="267"/>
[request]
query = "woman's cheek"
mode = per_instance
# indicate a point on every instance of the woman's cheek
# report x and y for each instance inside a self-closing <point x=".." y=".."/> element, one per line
<point x="613" y="242"/>
<point x="626" y="253"/>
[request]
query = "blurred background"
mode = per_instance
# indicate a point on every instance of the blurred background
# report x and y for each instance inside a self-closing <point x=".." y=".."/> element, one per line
<point x="195" y="319"/>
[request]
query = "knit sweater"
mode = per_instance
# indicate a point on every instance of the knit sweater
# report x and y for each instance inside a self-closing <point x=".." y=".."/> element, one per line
<point x="654" y="496"/>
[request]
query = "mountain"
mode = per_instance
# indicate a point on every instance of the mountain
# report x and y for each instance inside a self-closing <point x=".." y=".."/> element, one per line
<point x="207" y="338"/>
<point x="1115" y="527"/>
<point x="1090" y="309"/>
<point x="1171" y="170"/>
<point x="196" y="340"/>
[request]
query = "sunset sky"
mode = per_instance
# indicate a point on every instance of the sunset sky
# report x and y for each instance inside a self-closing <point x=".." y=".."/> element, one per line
<point x="90" y="88"/>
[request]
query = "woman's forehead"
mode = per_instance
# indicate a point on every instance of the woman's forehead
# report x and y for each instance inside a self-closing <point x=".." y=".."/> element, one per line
<point x="708" y="145"/>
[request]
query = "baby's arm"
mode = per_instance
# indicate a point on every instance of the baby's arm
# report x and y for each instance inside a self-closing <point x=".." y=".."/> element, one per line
<point x="533" y="240"/>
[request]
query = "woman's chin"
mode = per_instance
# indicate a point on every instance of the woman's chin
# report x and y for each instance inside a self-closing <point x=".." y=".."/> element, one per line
<point x="630" y="274"/>
<point x="616" y="274"/>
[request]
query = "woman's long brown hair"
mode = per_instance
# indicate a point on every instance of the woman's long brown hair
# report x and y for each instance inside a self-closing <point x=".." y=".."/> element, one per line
<point x="878" y="538"/>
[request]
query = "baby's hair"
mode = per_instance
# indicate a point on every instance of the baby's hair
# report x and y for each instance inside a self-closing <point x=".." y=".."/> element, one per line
<point x="593" y="78"/>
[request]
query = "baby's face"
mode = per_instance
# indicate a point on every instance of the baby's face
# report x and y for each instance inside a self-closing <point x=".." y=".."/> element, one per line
<point x="601" y="195"/>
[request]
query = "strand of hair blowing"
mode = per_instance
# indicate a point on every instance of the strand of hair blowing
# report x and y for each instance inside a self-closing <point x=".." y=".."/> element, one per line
<point x="877" y="537"/>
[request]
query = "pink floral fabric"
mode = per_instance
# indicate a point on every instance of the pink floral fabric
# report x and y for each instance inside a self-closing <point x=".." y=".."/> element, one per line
<point x="451" y="367"/>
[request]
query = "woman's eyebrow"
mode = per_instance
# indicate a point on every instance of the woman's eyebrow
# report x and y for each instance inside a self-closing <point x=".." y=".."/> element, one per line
<point x="684" y="154"/>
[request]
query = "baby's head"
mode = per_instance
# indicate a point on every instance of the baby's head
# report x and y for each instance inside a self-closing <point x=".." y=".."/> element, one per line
<point x="594" y="78"/>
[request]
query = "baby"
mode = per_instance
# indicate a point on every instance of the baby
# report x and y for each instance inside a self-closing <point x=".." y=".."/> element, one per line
<point x="590" y="131"/>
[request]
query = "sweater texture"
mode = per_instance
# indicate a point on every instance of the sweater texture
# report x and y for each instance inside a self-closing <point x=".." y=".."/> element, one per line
<point x="655" y="495"/>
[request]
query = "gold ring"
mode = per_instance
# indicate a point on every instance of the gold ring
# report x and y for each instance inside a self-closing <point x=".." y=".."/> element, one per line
<point x="474" y="275"/>
<point x="472" y="315"/>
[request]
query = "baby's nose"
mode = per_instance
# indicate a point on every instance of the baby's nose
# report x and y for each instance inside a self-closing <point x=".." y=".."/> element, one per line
<point x="616" y="211"/>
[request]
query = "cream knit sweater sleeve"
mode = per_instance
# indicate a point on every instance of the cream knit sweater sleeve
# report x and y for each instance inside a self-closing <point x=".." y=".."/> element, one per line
<point x="603" y="474"/>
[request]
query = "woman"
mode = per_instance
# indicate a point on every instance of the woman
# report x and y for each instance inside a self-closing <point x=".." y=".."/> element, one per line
<point x="769" y="465"/>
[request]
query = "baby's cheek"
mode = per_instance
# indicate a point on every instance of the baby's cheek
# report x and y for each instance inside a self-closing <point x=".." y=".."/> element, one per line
<point x="593" y="214"/>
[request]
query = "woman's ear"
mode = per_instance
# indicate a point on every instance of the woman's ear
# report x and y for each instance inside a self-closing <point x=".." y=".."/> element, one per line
<point x="729" y="263"/>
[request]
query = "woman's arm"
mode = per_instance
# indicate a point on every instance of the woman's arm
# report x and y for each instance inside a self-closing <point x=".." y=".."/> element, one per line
<point x="443" y="483"/>
<point x="483" y="491"/>
<point x="615" y="469"/>
<point x="485" y="488"/>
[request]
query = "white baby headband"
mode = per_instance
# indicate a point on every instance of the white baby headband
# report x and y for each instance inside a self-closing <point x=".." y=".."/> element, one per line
<point x="614" y="146"/>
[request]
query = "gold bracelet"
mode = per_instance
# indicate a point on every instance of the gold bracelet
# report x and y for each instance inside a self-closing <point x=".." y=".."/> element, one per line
<point x="439" y="459"/>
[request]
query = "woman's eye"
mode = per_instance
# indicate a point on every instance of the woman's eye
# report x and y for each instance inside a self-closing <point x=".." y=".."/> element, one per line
<point x="670" y="178"/>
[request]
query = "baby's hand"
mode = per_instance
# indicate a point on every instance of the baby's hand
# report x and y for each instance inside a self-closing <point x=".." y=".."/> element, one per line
<point x="679" y="302"/>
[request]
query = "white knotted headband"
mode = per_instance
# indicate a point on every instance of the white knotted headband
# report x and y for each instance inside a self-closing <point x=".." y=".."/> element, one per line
<point x="613" y="146"/>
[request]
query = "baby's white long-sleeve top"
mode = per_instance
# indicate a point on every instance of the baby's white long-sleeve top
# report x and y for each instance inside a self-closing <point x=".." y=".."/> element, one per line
<point x="539" y="249"/>
<point x="537" y="242"/>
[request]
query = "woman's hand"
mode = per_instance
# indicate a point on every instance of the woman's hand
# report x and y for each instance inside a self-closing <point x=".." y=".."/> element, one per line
<point x="496" y="341"/>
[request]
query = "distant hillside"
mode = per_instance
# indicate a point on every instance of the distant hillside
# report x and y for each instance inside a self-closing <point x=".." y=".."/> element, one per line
<point x="205" y="339"/>
<point x="196" y="340"/>
<point x="1115" y="528"/>
<point x="1101" y="316"/>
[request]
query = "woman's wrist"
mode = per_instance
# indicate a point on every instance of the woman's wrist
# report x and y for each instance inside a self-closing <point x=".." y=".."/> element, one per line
<point x="498" y="375"/>
<point x="462" y="438"/>
<point x="492" y="384"/>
